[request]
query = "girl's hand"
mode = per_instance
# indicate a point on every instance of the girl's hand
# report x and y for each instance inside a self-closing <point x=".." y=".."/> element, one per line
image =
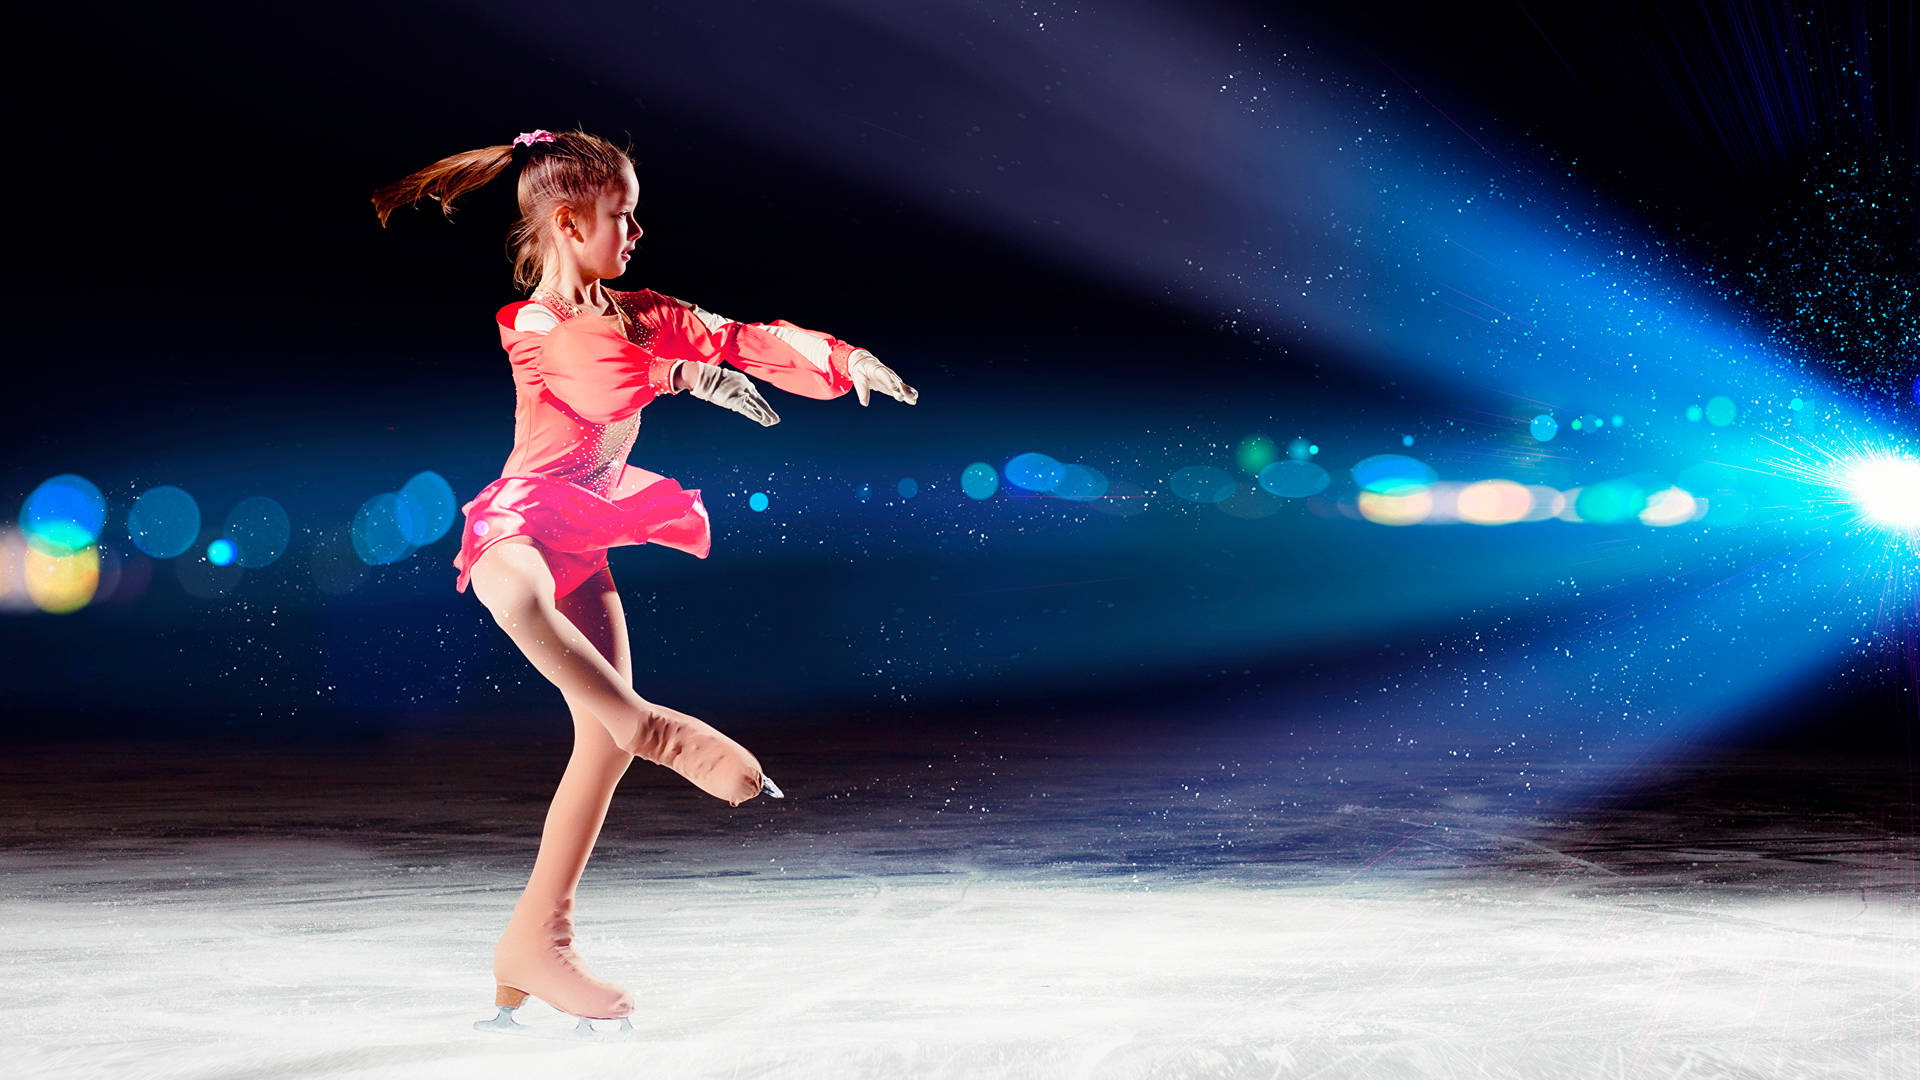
<point x="726" y="388"/>
<point x="870" y="374"/>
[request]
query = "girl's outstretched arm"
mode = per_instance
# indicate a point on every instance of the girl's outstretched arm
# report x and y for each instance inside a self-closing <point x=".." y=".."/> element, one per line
<point x="809" y="363"/>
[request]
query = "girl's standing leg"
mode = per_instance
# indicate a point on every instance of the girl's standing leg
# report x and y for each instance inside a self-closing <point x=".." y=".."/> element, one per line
<point x="535" y="953"/>
<point x="593" y="771"/>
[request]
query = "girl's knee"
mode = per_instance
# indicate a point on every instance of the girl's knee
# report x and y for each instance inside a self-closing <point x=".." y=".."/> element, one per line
<point x="512" y="582"/>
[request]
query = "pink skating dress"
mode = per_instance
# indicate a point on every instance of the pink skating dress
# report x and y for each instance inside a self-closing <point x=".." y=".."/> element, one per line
<point x="580" y="381"/>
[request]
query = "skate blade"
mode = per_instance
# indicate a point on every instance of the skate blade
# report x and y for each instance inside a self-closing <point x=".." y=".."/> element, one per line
<point x="768" y="787"/>
<point x="504" y="1023"/>
<point x="585" y="1030"/>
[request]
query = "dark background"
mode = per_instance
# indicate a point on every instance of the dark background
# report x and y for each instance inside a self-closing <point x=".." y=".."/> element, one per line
<point x="208" y="300"/>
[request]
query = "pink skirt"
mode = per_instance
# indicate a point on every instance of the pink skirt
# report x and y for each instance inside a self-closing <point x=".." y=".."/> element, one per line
<point x="574" y="526"/>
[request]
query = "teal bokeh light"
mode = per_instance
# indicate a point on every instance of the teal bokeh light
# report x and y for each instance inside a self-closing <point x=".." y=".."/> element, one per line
<point x="63" y="515"/>
<point x="1293" y="479"/>
<point x="757" y="501"/>
<point x="979" y="480"/>
<point x="378" y="537"/>
<point x="1393" y="474"/>
<point x="1610" y="503"/>
<point x="163" y="522"/>
<point x="1544" y="427"/>
<point x="259" y="530"/>
<point x="221" y="552"/>
<point x="908" y="487"/>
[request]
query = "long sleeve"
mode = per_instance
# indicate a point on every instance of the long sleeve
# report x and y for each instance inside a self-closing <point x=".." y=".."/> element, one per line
<point x="800" y="361"/>
<point x="591" y="367"/>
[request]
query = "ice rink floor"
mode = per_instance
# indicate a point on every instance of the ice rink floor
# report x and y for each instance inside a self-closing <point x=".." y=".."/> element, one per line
<point x="966" y="908"/>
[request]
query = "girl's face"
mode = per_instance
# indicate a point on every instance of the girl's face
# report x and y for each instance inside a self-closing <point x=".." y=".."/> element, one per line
<point x="603" y="238"/>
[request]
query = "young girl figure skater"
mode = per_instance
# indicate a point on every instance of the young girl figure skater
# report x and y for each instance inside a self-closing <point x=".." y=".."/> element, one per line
<point x="586" y="359"/>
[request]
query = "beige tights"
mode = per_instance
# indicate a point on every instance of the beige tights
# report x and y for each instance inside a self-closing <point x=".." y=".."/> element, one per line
<point x="579" y="642"/>
<point x="512" y="580"/>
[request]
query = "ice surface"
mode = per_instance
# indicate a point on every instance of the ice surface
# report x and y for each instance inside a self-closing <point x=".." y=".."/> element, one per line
<point x="175" y="914"/>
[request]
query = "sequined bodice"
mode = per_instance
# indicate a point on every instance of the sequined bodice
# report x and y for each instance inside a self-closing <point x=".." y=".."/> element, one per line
<point x="552" y="441"/>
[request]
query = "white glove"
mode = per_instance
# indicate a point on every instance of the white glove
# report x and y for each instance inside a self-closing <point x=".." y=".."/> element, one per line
<point x="869" y="373"/>
<point x="726" y="388"/>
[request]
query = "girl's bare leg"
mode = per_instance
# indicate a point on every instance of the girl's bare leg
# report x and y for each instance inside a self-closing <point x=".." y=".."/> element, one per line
<point x="511" y="578"/>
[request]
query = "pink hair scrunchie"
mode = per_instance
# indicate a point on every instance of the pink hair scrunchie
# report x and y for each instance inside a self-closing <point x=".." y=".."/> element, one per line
<point x="528" y="138"/>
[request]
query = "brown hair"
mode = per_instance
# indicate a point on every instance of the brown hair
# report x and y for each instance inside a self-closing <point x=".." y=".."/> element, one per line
<point x="574" y="169"/>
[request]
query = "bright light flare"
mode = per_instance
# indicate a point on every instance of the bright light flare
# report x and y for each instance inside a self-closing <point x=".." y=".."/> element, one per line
<point x="1886" y="488"/>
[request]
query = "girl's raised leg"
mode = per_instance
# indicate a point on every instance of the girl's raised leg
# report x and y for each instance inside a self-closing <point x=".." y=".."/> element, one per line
<point x="511" y="578"/>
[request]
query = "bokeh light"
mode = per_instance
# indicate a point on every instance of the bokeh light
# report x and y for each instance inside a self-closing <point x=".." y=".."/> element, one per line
<point x="757" y="501"/>
<point x="1611" y="502"/>
<point x="1034" y="472"/>
<point x="908" y="487"/>
<point x="1202" y="484"/>
<point x="377" y="535"/>
<point x="222" y="552"/>
<point x="1544" y="427"/>
<point x="1670" y="506"/>
<point x="1393" y="474"/>
<point x="428" y="501"/>
<point x="1410" y="508"/>
<point x="63" y="515"/>
<point x="259" y="530"/>
<point x="1493" y="502"/>
<point x="980" y="480"/>
<point x="1256" y="452"/>
<point x="61" y="582"/>
<point x="206" y="578"/>
<point x="1080" y="483"/>
<point x="1547" y="502"/>
<point x="1294" y="479"/>
<point x="164" y="521"/>
<point x="1721" y="411"/>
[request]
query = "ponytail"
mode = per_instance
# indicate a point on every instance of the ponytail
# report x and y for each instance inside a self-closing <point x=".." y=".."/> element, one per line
<point x="570" y="167"/>
<point x="443" y="181"/>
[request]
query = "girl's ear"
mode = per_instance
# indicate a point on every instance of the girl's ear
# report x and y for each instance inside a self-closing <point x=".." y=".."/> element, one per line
<point x="563" y="222"/>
